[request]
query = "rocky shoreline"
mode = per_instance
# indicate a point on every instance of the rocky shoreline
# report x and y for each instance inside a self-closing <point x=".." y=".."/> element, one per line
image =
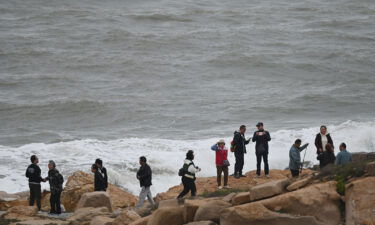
<point x="314" y="198"/>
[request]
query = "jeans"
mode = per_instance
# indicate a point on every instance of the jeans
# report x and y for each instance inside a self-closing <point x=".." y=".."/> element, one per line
<point x="189" y="185"/>
<point x="238" y="166"/>
<point x="35" y="194"/>
<point x="145" y="192"/>
<point x="55" y="202"/>
<point x="265" y="161"/>
<point x="295" y="173"/>
<point x="220" y="170"/>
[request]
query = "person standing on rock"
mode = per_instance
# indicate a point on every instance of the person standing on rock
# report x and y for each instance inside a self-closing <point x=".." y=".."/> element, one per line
<point x="343" y="157"/>
<point x="99" y="182"/>
<point x="33" y="172"/>
<point x="327" y="157"/>
<point x="103" y="171"/>
<point x="295" y="157"/>
<point x="188" y="175"/>
<point x="261" y="137"/>
<point x="239" y="147"/>
<point x="222" y="162"/>
<point x="56" y="181"/>
<point x="322" y="139"/>
<point x="144" y="175"/>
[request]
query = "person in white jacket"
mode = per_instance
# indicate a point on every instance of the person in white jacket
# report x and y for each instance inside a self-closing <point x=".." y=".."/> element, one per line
<point x="188" y="178"/>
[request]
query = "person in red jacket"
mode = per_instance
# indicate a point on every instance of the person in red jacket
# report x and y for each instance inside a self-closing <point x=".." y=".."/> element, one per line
<point x="222" y="162"/>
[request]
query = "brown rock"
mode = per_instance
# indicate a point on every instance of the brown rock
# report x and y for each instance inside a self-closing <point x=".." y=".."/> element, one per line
<point x="142" y="221"/>
<point x="87" y="214"/>
<point x="102" y="220"/>
<point x="81" y="182"/>
<point x="370" y="169"/>
<point x="202" y="223"/>
<point x="169" y="203"/>
<point x="41" y="222"/>
<point x="268" y="189"/>
<point x="228" y="197"/>
<point x="126" y="217"/>
<point x="20" y="212"/>
<point x="21" y="199"/>
<point x="299" y="184"/>
<point x="256" y="214"/>
<point x="360" y="201"/>
<point x="211" y="211"/>
<point x="190" y="208"/>
<point x="241" y="198"/>
<point x="310" y="201"/>
<point x="167" y="216"/>
<point x="95" y="199"/>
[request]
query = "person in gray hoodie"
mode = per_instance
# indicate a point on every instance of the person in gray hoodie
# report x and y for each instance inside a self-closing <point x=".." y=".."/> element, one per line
<point x="295" y="157"/>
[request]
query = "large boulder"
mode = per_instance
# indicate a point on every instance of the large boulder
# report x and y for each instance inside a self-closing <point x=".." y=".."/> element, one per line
<point x="102" y="220"/>
<point x="241" y="198"/>
<point x="95" y="199"/>
<point x="85" y="215"/>
<point x="191" y="207"/>
<point x="8" y="201"/>
<point x="211" y="211"/>
<point x="360" y="201"/>
<point x="126" y="217"/>
<point x="268" y="189"/>
<point x="256" y="214"/>
<point x="202" y="223"/>
<point x="167" y="216"/>
<point x="80" y="183"/>
<point x="20" y="212"/>
<point x="299" y="184"/>
<point x="169" y="203"/>
<point x="142" y="221"/>
<point x="229" y="197"/>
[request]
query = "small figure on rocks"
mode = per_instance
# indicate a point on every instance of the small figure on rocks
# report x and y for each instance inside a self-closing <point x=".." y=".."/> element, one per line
<point x="343" y="157"/>
<point x="56" y="181"/>
<point x="261" y="137"/>
<point x="295" y="163"/>
<point x="144" y="175"/>
<point x="99" y="182"/>
<point x="33" y="172"/>
<point x="188" y="172"/>
<point x="222" y="162"/>
<point x="103" y="171"/>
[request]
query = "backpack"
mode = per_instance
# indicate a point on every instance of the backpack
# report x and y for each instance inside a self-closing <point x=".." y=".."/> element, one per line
<point x="182" y="171"/>
<point x="232" y="146"/>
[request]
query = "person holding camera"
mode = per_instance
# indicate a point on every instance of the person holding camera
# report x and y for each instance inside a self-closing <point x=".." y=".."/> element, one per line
<point x="239" y="148"/>
<point x="222" y="162"/>
<point x="262" y="137"/>
<point x="188" y="176"/>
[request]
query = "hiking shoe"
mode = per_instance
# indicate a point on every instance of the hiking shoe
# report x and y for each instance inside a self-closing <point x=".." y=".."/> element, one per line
<point x="233" y="175"/>
<point x="242" y="175"/>
<point x="237" y="176"/>
<point x="268" y="176"/>
<point x="220" y="187"/>
<point x="227" y="187"/>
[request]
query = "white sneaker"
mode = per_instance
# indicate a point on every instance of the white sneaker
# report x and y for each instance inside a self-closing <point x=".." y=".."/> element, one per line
<point x="268" y="176"/>
<point x="227" y="187"/>
<point x="258" y="176"/>
<point x="220" y="187"/>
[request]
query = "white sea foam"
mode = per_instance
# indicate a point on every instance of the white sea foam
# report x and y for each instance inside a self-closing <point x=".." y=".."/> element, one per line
<point x="165" y="156"/>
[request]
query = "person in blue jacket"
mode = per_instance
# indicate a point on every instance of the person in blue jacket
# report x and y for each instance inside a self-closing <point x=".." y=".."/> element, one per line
<point x="295" y="157"/>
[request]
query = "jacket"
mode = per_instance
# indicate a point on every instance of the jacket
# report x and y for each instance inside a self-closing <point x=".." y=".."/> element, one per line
<point x="343" y="157"/>
<point x="33" y="173"/>
<point x="318" y="142"/>
<point x="55" y="180"/>
<point x="240" y="142"/>
<point x="295" y="157"/>
<point x="103" y="171"/>
<point x="144" y="176"/>
<point x="221" y="154"/>
<point x="99" y="183"/>
<point x="190" y="169"/>
<point x="261" y="140"/>
<point x="326" y="158"/>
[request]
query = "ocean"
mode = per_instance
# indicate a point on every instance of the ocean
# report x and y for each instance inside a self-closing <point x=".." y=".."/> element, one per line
<point x="121" y="79"/>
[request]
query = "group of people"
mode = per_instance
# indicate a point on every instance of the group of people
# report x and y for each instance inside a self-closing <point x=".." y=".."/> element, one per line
<point x="324" y="150"/>
<point x="323" y="143"/>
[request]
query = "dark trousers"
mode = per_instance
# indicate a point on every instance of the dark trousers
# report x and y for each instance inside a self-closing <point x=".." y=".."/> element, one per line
<point x="295" y="173"/>
<point x="238" y="166"/>
<point x="35" y="195"/>
<point x="55" y="202"/>
<point x="220" y="170"/>
<point x="189" y="185"/>
<point x="265" y="161"/>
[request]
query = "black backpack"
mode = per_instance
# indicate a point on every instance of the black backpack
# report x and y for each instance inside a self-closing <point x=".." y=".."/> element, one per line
<point x="182" y="171"/>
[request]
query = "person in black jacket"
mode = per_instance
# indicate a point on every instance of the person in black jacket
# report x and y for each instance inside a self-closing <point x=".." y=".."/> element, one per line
<point x="99" y="182"/>
<point x="33" y="172"/>
<point x="261" y="137"/>
<point x="327" y="157"/>
<point x="56" y="181"/>
<point x="322" y="139"/>
<point x="144" y="175"/>
<point x="103" y="171"/>
<point x="239" y="143"/>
